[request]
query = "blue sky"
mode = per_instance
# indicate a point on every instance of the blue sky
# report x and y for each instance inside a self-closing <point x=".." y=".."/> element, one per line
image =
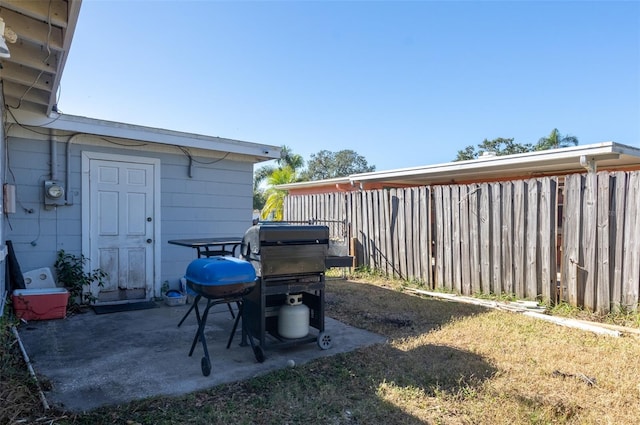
<point x="401" y="83"/>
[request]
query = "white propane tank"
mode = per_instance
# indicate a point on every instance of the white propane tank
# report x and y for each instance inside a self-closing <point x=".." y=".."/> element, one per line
<point x="293" y="318"/>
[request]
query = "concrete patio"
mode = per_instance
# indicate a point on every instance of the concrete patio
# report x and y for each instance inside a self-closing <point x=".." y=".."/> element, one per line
<point x="90" y="360"/>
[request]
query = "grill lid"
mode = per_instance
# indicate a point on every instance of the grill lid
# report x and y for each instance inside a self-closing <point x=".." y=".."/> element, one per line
<point x="281" y="234"/>
<point x="217" y="271"/>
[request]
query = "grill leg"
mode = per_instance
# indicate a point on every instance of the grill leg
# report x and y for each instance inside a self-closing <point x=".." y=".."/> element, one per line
<point x="206" y="361"/>
<point x="235" y="323"/>
<point x="257" y="351"/>
<point x="199" y="321"/>
<point x="195" y="303"/>
<point x="231" y="310"/>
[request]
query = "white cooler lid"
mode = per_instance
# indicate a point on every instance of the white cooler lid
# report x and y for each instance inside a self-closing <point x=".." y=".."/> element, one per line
<point x="39" y="278"/>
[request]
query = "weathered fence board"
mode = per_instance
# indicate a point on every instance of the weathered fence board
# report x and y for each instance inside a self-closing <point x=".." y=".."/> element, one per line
<point x="631" y="270"/>
<point x="496" y="239"/>
<point x="531" y="243"/>
<point x="617" y="234"/>
<point x="474" y="239"/>
<point x="484" y="219"/>
<point x="393" y="227"/>
<point x="456" y="239"/>
<point x="571" y="237"/>
<point x="388" y="242"/>
<point x="424" y="245"/>
<point x="447" y="219"/>
<point x="439" y="235"/>
<point x="519" y="242"/>
<point x="603" y="237"/>
<point x="374" y="229"/>
<point x="547" y="239"/>
<point x="401" y="262"/>
<point x="588" y="265"/>
<point x="464" y="234"/>
<point x="412" y="224"/>
<point x="507" y="238"/>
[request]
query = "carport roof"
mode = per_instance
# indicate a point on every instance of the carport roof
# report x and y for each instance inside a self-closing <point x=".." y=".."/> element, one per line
<point x="606" y="155"/>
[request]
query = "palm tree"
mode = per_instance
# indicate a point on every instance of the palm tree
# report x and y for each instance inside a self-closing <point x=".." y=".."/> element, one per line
<point x="274" y="205"/>
<point x="287" y="159"/>
<point x="555" y="140"/>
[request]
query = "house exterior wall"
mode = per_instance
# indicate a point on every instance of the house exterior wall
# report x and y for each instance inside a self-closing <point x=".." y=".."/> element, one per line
<point x="212" y="197"/>
<point x="3" y="262"/>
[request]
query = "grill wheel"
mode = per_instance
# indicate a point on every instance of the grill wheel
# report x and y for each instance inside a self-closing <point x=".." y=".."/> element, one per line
<point x="324" y="341"/>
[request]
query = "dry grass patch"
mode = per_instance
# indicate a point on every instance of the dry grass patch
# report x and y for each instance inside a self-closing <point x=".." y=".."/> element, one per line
<point x="17" y="389"/>
<point x="527" y="371"/>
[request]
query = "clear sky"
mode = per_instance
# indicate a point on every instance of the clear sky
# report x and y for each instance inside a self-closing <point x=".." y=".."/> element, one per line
<point x="401" y="83"/>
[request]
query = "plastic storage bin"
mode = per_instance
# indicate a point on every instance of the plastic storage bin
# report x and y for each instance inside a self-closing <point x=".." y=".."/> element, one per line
<point x="174" y="298"/>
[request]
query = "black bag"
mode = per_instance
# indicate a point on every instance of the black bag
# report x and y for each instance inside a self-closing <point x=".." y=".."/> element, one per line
<point x="13" y="274"/>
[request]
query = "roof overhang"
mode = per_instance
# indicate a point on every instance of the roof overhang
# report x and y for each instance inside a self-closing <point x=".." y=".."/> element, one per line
<point x="601" y="156"/>
<point x="43" y="33"/>
<point x="75" y="124"/>
<point x="328" y="183"/>
<point x="607" y="155"/>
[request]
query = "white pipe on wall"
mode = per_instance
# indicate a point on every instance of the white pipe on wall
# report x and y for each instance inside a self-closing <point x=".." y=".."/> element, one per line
<point x="67" y="193"/>
<point x="54" y="156"/>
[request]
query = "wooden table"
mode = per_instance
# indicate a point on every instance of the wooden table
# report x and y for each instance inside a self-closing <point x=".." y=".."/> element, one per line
<point x="208" y="247"/>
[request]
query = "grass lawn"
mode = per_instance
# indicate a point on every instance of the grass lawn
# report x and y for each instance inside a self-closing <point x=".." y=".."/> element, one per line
<point x="444" y="363"/>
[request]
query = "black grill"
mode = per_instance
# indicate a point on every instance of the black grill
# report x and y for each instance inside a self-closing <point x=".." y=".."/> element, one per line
<point x="286" y="250"/>
<point x="288" y="259"/>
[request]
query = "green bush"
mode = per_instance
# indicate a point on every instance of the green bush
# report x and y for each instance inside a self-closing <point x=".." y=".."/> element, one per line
<point x="70" y="271"/>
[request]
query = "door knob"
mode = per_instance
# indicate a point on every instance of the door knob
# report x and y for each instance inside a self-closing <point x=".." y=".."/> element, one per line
<point x="149" y="240"/>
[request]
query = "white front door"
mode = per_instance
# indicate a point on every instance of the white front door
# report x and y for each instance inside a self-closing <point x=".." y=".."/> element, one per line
<point x="121" y="224"/>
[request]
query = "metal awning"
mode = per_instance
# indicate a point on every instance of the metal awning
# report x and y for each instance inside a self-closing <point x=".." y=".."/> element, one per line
<point x="607" y="155"/>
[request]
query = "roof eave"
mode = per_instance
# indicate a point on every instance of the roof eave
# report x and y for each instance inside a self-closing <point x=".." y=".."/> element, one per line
<point x="72" y="21"/>
<point x="315" y="183"/>
<point x="77" y="124"/>
<point x="560" y="159"/>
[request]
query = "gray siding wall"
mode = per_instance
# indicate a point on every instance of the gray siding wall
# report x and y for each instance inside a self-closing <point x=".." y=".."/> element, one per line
<point x="215" y="201"/>
<point x="3" y="286"/>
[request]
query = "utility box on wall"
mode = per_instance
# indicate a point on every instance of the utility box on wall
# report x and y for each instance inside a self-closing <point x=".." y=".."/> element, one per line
<point x="9" y="198"/>
<point x="53" y="193"/>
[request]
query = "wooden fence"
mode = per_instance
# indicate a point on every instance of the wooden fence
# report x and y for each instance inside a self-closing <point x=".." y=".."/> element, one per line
<point x="499" y="237"/>
<point x="601" y="241"/>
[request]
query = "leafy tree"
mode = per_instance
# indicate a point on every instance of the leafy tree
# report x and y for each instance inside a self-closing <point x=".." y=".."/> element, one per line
<point x="501" y="146"/>
<point x="286" y="169"/>
<point x="259" y="199"/>
<point x="274" y="205"/>
<point x="555" y="140"/>
<point x="327" y="165"/>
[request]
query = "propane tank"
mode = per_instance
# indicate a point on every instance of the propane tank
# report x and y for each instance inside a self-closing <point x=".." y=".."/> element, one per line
<point x="293" y="318"/>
